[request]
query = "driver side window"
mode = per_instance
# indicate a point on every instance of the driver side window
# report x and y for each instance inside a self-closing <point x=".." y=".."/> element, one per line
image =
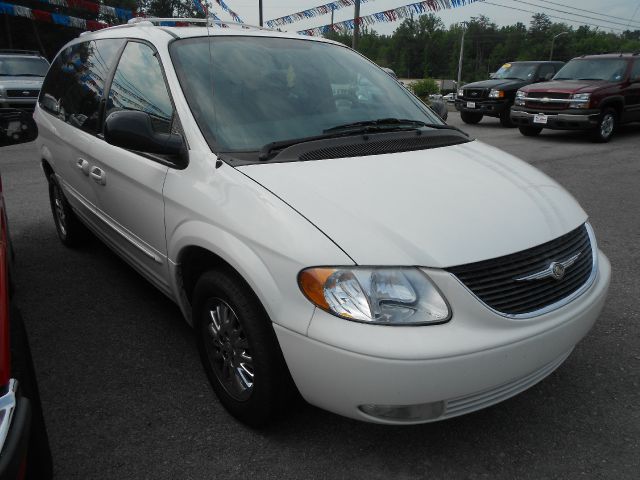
<point x="138" y="84"/>
<point x="635" y="71"/>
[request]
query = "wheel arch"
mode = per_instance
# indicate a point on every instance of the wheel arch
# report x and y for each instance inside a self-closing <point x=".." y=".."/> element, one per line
<point x="198" y="247"/>
<point x="617" y="103"/>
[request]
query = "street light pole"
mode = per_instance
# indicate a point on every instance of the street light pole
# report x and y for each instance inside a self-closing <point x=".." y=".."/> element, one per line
<point x="356" y="24"/>
<point x="260" y="9"/>
<point x="554" y="41"/>
<point x="464" y="30"/>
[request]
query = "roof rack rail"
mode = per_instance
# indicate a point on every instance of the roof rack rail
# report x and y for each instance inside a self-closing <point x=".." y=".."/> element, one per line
<point x="20" y="52"/>
<point x="159" y="21"/>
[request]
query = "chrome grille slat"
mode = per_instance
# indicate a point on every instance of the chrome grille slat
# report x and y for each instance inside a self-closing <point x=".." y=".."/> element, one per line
<point x="494" y="281"/>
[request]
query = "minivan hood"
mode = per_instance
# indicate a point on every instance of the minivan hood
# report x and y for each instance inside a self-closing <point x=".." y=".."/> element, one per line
<point x="567" y="86"/>
<point x="435" y="208"/>
<point x="21" y="82"/>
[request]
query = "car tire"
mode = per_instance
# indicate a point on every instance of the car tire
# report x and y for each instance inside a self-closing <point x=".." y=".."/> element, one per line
<point x="607" y="124"/>
<point x="471" y="118"/>
<point x="71" y="231"/>
<point x="530" y="131"/>
<point x="239" y="349"/>
<point x="505" y="118"/>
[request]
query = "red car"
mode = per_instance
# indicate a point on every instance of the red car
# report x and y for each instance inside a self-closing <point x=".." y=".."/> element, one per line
<point x="596" y="93"/>
<point x="24" y="445"/>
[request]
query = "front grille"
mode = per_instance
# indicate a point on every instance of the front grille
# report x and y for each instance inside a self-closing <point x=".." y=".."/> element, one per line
<point x="546" y="106"/>
<point x="475" y="93"/>
<point x="22" y="94"/>
<point x="493" y="281"/>
<point x="25" y="107"/>
<point x="548" y="95"/>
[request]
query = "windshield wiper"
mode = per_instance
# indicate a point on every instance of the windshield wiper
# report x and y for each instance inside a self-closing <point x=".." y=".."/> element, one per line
<point x="27" y="75"/>
<point x="377" y="125"/>
<point x="590" y="79"/>
<point x="270" y="150"/>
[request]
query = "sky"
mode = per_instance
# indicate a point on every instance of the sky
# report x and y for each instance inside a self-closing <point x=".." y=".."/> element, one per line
<point x="248" y="11"/>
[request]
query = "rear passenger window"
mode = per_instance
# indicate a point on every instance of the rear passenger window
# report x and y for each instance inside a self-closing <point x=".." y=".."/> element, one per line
<point x="138" y="84"/>
<point x="75" y="83"/>
<point x="546" y="72"/>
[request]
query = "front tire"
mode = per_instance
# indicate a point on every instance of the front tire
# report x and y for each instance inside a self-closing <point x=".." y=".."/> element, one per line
<point x="606" y="127"/>
<point x="71" y="231"/>
<point x="530" y="131"/>
<point x="470" y="117"/>
<point x="239" y="349"/>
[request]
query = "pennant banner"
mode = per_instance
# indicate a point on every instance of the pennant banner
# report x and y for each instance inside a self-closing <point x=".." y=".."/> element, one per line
<point x="200" y="6"/>
<point x="312" y="12"/>
<point x="120" y="13"/>
<point x="56" y="18"/>
<point x="226" y="8"/>
<point x="419" y="8"/>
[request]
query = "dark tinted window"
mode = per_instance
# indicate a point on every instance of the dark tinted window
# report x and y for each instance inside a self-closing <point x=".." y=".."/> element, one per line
<point x="23" y="67"/>
<point x="75" y="82"/>
<point x="635" y="72"/>
<point x="138" y="84"/>
<point x="546" y="72"/>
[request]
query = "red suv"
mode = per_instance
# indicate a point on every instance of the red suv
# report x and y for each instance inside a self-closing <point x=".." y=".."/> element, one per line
<point x="592" y="92"/>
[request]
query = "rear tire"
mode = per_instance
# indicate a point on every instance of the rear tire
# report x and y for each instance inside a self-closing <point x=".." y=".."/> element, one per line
<point x="470" y="117"/>
<point x="606" y="127"/>
<point x="530" y="131"/>
<point x="71" y="231"/>
<point x="239" y="349"/>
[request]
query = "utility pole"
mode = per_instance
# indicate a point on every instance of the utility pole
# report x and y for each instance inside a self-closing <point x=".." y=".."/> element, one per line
<point x="332" y="12"/>
<point x="260" y="9"/>
<point x="460" y="60"/>
<point x="356" y="24"/>
<point x="554" y="41"/>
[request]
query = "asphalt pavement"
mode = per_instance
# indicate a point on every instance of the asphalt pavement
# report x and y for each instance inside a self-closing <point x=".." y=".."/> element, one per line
<point x="125" y="396"/>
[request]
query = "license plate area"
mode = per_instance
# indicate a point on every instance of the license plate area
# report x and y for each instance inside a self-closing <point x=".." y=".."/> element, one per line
<point x="540" y="118"/>
<point x="471" y="104"/>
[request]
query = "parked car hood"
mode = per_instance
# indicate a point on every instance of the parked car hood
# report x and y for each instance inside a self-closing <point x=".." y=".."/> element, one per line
<point x="435" y="208"/>
<point x="504" y="84"/>
<point x="567" y="86"/>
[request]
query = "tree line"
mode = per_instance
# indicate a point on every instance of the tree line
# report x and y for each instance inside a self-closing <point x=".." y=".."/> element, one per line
<point x="424" y="48"/>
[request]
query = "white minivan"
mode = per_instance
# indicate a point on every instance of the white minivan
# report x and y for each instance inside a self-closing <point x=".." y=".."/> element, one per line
<point x="349" y="247"/>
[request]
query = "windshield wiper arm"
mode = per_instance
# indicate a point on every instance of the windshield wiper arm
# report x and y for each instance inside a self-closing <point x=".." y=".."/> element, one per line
<point x="379" y="124"/>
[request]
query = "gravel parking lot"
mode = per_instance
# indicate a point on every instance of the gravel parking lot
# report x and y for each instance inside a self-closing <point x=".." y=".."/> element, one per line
<point x="125" y="397"/>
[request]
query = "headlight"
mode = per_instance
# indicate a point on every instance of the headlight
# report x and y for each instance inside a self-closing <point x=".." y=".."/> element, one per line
<point x="461" y="93"/>
<point x="520" y="98"/>
<point x="580" y="100"/>
<point x="496" y="93"/>
<point x="384" y="296"/>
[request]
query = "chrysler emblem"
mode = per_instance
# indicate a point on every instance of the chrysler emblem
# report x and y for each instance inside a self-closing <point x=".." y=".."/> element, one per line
<point x="555" y="270"/>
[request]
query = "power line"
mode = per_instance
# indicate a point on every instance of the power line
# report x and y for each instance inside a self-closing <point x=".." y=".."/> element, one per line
<point x="634" y="13"/>
<point x="554" y="16"/>
<point x="572" y="14"/>
<point x="585" y="10"/>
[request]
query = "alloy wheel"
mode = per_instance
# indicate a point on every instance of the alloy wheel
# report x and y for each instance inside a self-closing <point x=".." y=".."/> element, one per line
<point x="228" y="349"/>
<point x="607" y="124"/>
<point x="61" y="218"/>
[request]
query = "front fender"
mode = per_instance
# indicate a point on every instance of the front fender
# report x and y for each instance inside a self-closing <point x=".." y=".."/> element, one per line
<point x="261" y="237"/>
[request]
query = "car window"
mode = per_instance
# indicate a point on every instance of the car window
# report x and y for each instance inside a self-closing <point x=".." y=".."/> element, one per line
<point x="23" y="67"/>
<point x="138" y="84"/>
<point x="608" y="69"/>
<point x="75" y="83"/>
<point x="246" y="92"/>
<point x="546" y="72"/>
<point x="635" y="71"/>
<point x="515" y="71"/>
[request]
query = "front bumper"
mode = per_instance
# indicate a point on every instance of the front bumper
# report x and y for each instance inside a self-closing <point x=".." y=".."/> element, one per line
<point x="484" y="106"/>
<point x="15" y="425"/>
<point x="477" y="359"/>
<point x="569" y="120"/>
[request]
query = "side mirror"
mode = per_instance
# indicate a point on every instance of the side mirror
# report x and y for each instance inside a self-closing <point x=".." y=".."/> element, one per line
<point x="492" y="76"/>
<point x="16" y="126"/>
<point x="133" y="130"/>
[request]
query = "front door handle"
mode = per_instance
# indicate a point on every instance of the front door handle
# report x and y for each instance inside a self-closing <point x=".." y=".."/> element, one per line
<point x="98" y="175"/>
<point x="83" y="165"/>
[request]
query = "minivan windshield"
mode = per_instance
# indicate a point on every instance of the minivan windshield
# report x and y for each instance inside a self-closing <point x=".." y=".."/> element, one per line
<point x="247" y="92"/>
<point x="516" y="71"/>
<point x="23" y="67"/>
<point x="609" y="69"/>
